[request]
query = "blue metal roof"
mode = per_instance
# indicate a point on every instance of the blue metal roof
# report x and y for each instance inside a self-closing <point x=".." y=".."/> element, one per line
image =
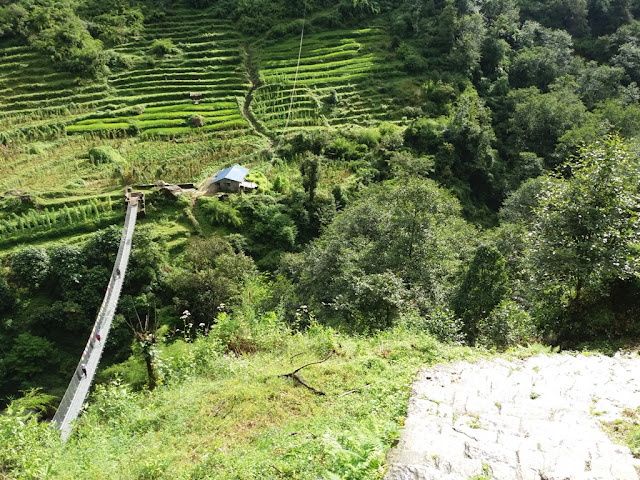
<point x="235" y="173"/>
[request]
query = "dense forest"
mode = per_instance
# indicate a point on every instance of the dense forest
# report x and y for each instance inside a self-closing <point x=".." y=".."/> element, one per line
<point x="493" y="201"/>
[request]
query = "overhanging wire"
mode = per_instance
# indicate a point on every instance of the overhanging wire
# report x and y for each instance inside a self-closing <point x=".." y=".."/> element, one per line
<point x="295" y="80"/>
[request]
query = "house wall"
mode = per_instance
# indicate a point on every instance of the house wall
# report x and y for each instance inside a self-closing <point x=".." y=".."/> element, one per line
<point x="226" y="185"/>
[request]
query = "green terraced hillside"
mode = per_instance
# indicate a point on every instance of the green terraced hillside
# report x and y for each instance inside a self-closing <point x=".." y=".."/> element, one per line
<point x="208" y="61"/>
<point x="61" y="218"/>
<point x="340" y="81"/>
<point x="151" y="97"/>
<point x="30" y="88"/>
<point x="49" y="119"/>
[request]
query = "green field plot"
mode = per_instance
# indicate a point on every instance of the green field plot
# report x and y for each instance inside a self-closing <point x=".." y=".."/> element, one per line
<point x="50" y="90"/>
<point x="206" y="59"/>
<point x="167" y="120"/>
<point x="63" y="168"/>
<point x="44" y="222"/>
<point x="337" y="69"/>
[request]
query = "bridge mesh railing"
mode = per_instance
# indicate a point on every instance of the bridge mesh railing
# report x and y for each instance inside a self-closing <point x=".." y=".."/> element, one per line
<point x="79" y="385"/>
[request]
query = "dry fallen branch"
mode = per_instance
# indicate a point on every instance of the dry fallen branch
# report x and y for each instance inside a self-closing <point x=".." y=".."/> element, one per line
<point x="300" y="380"/>
<point x="294" y="356"/>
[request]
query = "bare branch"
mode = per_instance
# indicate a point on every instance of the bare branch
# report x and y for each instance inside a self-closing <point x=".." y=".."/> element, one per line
<point x="300" y="380"/>
<point x="314" y="363"/>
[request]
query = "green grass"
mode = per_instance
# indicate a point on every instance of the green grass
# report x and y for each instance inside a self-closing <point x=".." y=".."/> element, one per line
<point x="626" y="430"/>
<point x="234" y="416"/>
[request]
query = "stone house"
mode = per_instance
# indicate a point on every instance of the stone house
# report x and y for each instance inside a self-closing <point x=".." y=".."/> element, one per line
<point x="232" y="180"/>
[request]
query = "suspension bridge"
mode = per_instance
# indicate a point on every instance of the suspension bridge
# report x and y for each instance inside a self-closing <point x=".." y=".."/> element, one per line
<point x="85" y="371"/>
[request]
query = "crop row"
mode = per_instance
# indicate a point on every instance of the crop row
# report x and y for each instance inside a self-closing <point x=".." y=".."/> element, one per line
<point x="238" y="123"/>
<point x="350" y="51"/>
<point x="320" y="44"/>
<point x="187" y="33"/>
<point x="186" y="24"/>
<point x="192" y="83"/>
<point x="47" y="218"/>
<point x="162" y="115"/>
<point x="55" y="94"/>
<point x="168" y="69"/>
<point x="10" y="236"/>
<point x="152" y="126"/>
<point x="23" y="106"/>
<point x="173" y="76"/>
<point x="184" y="88"/>
<point x="311" y="67"/>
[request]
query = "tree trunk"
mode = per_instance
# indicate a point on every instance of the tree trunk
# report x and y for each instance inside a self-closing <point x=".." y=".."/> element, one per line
<point x="151" y="374"/>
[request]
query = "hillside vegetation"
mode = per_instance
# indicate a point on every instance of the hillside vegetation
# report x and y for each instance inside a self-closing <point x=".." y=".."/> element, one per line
<point x="227" y="416"/>
<point x="429" y="174"/>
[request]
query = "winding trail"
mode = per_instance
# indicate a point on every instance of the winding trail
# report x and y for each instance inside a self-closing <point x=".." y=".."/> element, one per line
<point x="246" y="110"/>
<point x="533" y="419"/>
<point x="254" y="78"/>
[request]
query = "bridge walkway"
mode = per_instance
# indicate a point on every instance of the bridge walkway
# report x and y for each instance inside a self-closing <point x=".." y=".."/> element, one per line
<point x="80" y="383"/>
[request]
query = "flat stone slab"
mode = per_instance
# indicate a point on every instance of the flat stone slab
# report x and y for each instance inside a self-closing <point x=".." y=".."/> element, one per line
<point x="533" y="419"/>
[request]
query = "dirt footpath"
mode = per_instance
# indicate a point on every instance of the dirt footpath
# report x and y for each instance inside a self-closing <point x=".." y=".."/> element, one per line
<point x="533" y="419"/>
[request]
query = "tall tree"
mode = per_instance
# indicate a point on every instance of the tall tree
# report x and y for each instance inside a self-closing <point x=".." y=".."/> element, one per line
<point x="586" y="228"/>
<point x="484" y="286"/>
<point x="399" y="246"/>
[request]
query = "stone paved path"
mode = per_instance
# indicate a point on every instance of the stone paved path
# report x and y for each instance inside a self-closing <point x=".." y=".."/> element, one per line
<point x="532" y="419"/>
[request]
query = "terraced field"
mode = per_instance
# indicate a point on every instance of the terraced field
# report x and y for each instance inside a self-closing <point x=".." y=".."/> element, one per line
<point x="59" y="218"/>
<point x="340" y="81"/>
<point x="30" y="86"/>
<point x="151" y="98"/>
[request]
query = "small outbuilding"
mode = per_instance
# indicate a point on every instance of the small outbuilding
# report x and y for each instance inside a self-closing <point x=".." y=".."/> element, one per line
<point x="232" y="179"/>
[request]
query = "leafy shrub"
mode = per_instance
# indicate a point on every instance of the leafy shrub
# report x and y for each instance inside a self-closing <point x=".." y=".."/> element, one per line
<point x="332" y="98"/>
<point x="241" y="335"/>
<point x="327" y="20"/>
<point x="30" y="266"/>
<point x="507" y="325"/>
<point x="7" y="296"/>
<point x="443" y="324"/>
<point x="358" y="453"/>
<point x="368" y="136"/>
<point x="264" y="185"/>
<point x="484" y="285"/>
<point x="281" y="184"/>
<point x="24" y="440"/>
<point x="71" y="46"/>
<point x="118" y="61"/>
<point x="162" y="47"/>
<point x="219" y="212"/>
<point x="344" y="149"/>
<point x="314" y="141"/>
<point x="415" y="64"/>
<point x="284" y="29"/>
<point x="112" y="401"/>
<point x="105" y="155"/>
<point x="195" y="121"/>
<point x="36" y="149"/>
<point x="114" y="25"/>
